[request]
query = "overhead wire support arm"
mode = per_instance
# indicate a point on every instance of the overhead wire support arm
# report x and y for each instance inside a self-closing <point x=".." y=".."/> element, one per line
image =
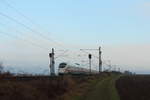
<point x="89" y="49"/>
<point x="100" y="59"/>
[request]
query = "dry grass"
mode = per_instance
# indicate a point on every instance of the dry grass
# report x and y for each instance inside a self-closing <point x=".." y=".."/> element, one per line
<point x="58" y="88"/>
<point x="50" y="89"/>
<point x="134" y="87"/>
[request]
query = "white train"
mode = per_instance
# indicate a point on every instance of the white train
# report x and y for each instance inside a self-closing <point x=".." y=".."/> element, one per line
<point x="65" y="68"/>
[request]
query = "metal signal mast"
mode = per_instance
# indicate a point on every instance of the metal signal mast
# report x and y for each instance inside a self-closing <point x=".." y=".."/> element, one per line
<point x="52" y="63"/>
<point x="90" y="57"/>
<point x="100" y="59"/>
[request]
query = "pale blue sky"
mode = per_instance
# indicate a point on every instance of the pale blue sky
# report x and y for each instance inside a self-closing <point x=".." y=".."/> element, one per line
<point x="107" y="21"/>
<point x="79" y="22"/>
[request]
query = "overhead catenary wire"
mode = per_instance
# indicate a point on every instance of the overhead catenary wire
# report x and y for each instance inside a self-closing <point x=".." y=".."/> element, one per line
<point x="8" y="4"/>
<point x="93" y="55"/>
<point x="20" y="24"/>
<point x="26" y="41"/>
<point x="104" y="62"/>
<point x="27" y="18"/>
<point x="89" y="53"/>
<point x="20" y="38"/>
<point x="30" y="42"/>
<point x="62" y="54"/>
<point x="27" y="27"/>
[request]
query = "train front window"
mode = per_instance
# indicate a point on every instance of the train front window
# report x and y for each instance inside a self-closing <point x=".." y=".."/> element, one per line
<point x="62" y="65"/>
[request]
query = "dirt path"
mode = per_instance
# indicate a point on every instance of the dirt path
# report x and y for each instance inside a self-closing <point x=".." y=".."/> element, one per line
<point x="103" y="90"/>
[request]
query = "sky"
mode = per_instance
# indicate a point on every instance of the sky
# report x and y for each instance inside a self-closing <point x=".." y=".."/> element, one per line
<point x="30" y="28"/>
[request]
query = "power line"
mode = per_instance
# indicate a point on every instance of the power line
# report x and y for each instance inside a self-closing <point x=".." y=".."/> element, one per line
<point x="88" y="52"/>
<point x="19" y="12"/>
<point x="29" y="42"/>
<point x="32" y="30"/>
<point x="14" y="36"/>
<point x="104" y="62"/>
<point x="100" y="60"/>
<point x="27" y="18"/>
<point x="34" y="44"/>
<point x="31" y="21"/>
<point x="62" y="54"/>
<point x="15" y="31"/>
